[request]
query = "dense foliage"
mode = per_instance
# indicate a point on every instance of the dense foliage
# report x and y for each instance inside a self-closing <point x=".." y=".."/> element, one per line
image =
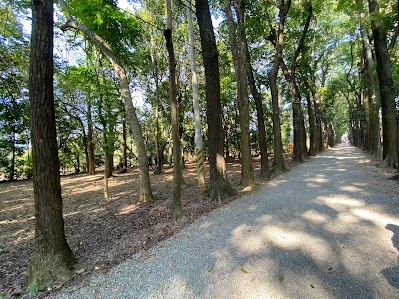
<point x="330" y="73"/>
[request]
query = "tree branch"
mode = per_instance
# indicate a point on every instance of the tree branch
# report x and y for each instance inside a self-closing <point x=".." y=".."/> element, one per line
<point x="304" y="32"/>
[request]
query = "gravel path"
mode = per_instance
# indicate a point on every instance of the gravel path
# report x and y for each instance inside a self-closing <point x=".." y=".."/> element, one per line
<point x="327" y="229"/>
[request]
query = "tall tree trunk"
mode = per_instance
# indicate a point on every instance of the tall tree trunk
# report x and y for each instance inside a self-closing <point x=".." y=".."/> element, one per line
<point x="111" y="150"/>
<point x="52" y="257"/>
<point x="158" y="146"/>
<point x="278" y="156"/>
<point x="219" y="187"/>
<point x="318" y="136"/>
<point x="145" y="186"/>
<point x="386" y="84"/>
<point x="12" y="170"/>
<point x="371" y="98"/>
<point x="278" y="40"/>
<point x="177" y="211"/>
<point x="264" y="159"/>
<point x="196" y="107"/>
<point x="90" y="142"/>
<point x="238" y="53"/>
<point x="106" y="162"/>
<point x="312" y="121"/>
<point x="124" y="138"/>
<point x="300" y="150"/>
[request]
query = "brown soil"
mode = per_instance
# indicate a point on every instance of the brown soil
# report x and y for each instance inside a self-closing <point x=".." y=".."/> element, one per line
<point x="102" y="233"/>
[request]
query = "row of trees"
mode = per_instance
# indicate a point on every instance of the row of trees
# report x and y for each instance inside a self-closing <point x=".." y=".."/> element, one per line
<point x="312" y="61"/>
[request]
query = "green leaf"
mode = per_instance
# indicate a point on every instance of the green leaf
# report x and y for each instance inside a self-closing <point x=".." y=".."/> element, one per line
<point x="35" y="287"/>
<point x="281" y="279"/>
<point x="80" y="271"/>
<point x="244" y="271"/>
<point x="5" y="250"/>
<point x="93" y="284"/>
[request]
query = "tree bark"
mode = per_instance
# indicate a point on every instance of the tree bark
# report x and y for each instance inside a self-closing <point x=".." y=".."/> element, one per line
<point x="312" y="120"/>
<point x="145" y="186"/>
<point x="196" y="106"/>
<point x="124" y="138"/>
<point x="52" y="256"/>
<point x="239" y="60"/>
<point x="278" y="41"/>
<point x="386" y="85"/>
<point x="90" y="141"/>
<point x="177" y="211"/>
<point x="12" y="170"/>
<point x="300" y="150"/>
<point x="218" y="187"/>
<point x="264" y="157"/>
<point x="373" y="102"/>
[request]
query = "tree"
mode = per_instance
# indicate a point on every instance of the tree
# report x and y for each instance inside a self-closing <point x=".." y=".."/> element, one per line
<point x="52" y="256"/>
<point x="196" y="106"/>
<point x="256" y="94"/>
<point x="174" y="119"/>
<point x="371" y="97"/>
<point x="300" y="151"/>
<point x="386" y="85"/>
<point x="239" y="60"/>
<point x="14" y="120"/>
<point x="278" y="41"/>
<point x="145" y="186"/>
<point x="218" y="186"/>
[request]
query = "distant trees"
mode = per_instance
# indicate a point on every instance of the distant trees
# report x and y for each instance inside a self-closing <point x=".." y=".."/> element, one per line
<point x="145" y="186"/>
<point x="14" y="122"/>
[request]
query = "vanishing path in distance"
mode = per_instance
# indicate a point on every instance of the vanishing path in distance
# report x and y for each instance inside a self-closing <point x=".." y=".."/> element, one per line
<point x="329" y="228"/>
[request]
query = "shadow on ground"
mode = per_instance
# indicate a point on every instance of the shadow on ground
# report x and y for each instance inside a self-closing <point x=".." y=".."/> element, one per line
<point x="323" y="230"/>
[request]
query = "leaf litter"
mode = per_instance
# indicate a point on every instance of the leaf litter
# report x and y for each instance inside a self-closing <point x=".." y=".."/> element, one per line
<point x="102" y="233"/>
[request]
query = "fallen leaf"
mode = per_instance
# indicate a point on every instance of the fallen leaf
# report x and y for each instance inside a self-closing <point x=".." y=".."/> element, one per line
<point x="93" y="284"/>
<point x="80" y="271"/>
<point x="148" y="258"/>
<point x="244" y="271"/>
<point x="281" y="279"/>
<point x="161" y="283"/>
<point x="184" y="287"/>
<point x="312" y="286"/>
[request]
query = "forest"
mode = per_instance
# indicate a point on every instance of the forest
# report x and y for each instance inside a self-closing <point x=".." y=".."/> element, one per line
<point x="105" y="86"/>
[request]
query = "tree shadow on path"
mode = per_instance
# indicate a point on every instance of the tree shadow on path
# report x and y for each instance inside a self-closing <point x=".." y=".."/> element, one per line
<point x="392" y="274"/>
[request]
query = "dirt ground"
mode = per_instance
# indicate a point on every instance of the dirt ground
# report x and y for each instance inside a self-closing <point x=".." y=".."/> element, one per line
<point x="102" y="233"/>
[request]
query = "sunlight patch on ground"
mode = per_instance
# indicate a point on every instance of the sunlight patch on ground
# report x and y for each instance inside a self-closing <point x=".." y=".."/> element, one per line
<point x="128" y="209"/>
<point x="276" y="183"/>
<point x="343" y="223"/>
<point x="290" y="239"/>
<point x="315" y="216"/>
<point x="376" y="217"/>
<point x="71" y="213"/>
<point x="97" y="210"/>
<point x="350" y="188"/>
<point x="317" y="179"/>
<point x="247" y="240"/>
<point x="251" y="240"/>
<point x="340" y="202"/>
